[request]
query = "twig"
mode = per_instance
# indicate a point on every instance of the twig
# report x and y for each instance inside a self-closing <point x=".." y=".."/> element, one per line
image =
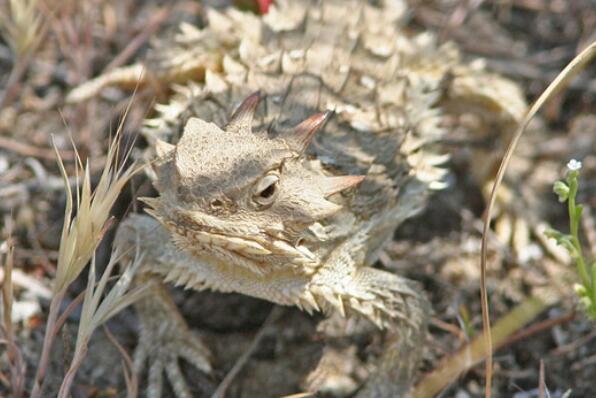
<point x="30" y="150"/>
<point x="458" y="16"/>
<point x="130" y="376"/>
<point x="225" y="383"/>
<point x="17" y="71"/>
<point x="452" y="329"/>
<point x="589" y="361"/>
<point x="541" y="384"/>
<point x="474" y="352"/>
<point x="152" y="25"/>
<point x="565" y="349"/>
<point x="539" y="327"/>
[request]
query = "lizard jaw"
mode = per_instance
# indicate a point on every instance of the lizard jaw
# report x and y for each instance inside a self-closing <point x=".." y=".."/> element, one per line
<point x="250" y="247"/>
<point x="258" y="251"/>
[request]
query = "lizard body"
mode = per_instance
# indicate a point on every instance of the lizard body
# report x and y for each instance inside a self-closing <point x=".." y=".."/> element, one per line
<point x="310" y="135"/>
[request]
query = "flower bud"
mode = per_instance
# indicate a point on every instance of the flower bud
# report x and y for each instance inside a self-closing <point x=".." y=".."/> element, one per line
<point x="562" y="190"/>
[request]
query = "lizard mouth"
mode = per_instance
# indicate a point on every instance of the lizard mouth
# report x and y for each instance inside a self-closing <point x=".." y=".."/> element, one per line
<point x="257" y="250"/>
<point x="261" y="253"/>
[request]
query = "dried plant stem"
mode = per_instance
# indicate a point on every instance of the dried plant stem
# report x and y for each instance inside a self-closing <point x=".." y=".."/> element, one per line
<point x="81" y="235"/>
<point x="225" y="383"/>
<point x="76" y="363"/>
<point x="152" y="25"/>
<point x="15" y="359"/>
<point x="48" y="341"/>
<point x="17" y="71"/>
<point x="24" y="149"/>
<point x="475" y="351"/>
<point x="541" y="383"/>
<point x="24" y="29"/>
<point x="130" y="376"/>
<point x="561" y="81"/>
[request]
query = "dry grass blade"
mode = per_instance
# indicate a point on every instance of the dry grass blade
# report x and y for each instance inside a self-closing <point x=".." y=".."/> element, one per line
<point x="7" y="293"/>
<point x="21" y="25"/>
<point x="81" y="235"/>
<point x="15" y="359"/>
<point x="96" y="311"/>
<point x="560" y="82"/>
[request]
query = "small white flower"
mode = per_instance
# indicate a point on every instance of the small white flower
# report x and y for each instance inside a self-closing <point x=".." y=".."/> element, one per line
<point x="574" y="165"/>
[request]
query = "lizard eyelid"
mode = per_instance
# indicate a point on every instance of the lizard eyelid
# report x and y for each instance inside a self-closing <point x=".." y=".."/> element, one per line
<point x="266" y="189"/>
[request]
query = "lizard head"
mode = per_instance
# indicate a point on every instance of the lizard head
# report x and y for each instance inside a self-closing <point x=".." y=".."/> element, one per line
<point x="241" y="197"/>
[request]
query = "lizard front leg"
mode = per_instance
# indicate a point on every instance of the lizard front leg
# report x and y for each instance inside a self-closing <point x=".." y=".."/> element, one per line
<point x="391" y="302"/>
<point x="164" y="336"/>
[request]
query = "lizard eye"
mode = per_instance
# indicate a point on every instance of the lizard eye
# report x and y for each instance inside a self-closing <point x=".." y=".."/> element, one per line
<point x="266" y="189"/>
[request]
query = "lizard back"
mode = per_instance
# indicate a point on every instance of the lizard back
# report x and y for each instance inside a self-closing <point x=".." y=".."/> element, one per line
<point x="351" y="57"/>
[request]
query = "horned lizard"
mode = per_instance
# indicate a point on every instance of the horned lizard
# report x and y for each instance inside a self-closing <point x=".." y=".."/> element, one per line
<point x="294" y="145"/>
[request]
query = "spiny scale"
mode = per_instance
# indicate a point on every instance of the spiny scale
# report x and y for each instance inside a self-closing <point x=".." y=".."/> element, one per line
<point x="299" y="137"/>
<point x="391" y="93"/>
<point x="241" y="120"/>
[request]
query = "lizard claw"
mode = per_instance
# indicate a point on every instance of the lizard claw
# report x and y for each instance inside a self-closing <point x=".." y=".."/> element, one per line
<point x="161" y="349"/>
<point x="164" y="340"/>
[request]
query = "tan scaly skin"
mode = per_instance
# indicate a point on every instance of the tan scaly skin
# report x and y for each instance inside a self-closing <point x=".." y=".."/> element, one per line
<point x="289" y="193"/>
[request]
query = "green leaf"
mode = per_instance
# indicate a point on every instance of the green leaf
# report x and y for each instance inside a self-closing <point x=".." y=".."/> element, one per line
<point x="578" y="211"/>
<point x="553" y="234"/>
<point x="580" y="289"/>
<point x="562" y="190"/>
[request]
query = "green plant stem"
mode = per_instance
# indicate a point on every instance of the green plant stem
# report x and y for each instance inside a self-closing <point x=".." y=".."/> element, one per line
<point x="574" y="228"/>
<point x="594" y="290"/>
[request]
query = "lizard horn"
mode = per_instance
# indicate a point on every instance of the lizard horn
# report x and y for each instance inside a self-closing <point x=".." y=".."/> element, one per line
<point x="299" y="137"/>
<point x="241" y="119"/>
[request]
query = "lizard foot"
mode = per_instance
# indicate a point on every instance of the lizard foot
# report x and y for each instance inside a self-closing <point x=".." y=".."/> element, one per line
<point x="164" y="339"/>
<point x="334" y="374"/>
<point x="161" y="348"/>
